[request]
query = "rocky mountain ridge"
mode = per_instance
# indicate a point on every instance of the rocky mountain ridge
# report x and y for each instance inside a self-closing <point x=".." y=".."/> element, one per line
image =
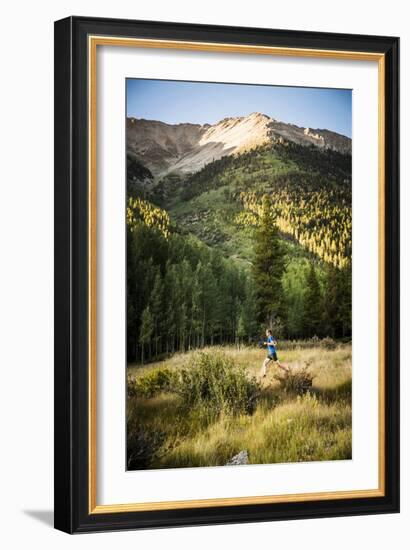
<point x="186" y="148"/>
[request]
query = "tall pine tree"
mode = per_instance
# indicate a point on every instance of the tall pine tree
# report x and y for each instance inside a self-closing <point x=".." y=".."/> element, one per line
<point x="147" y="328"/>
<point x="156" y="305"/>
<point x="346" y="300"/>
<point x="312" y="315"/>
<point x="268" y="267"/>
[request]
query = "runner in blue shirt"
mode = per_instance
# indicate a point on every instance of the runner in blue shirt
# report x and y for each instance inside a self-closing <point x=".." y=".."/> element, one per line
<point x="272" y="355"/>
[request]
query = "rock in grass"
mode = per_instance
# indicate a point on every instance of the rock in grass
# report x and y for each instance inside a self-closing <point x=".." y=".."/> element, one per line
<point x="239" y="459"/>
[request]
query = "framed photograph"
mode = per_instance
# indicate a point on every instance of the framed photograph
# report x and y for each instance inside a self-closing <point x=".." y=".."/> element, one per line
<point x="226" y="274"/>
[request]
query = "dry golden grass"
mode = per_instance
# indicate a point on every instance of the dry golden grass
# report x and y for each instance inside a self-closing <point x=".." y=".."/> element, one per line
<point x="329" y="367"/>
<point x="284" y="427"/>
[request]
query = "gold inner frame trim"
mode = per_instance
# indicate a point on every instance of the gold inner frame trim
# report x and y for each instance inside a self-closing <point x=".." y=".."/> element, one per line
<point x="93" y="42"/>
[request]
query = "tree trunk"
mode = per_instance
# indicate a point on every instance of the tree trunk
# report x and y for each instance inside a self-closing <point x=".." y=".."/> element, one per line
<point x="203" y="329"/>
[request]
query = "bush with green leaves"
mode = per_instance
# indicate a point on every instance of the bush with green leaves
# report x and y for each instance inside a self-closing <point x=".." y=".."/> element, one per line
<point x="152" y="383"/>
<point x="216" y="384"/>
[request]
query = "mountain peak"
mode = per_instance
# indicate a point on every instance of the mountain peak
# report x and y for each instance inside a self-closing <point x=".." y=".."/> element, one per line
<point x="259" y="116"/>
<point x="187" y="147"/>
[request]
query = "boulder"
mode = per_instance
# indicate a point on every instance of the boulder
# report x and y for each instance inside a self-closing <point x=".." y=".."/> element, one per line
<point x="239" y="459"/>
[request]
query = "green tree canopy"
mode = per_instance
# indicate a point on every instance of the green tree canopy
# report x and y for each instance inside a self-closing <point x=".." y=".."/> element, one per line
<point x="268" y="266"/>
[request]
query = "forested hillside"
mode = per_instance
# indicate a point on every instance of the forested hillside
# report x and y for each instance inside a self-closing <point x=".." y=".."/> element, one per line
<point x="181" y="293"/>
<point x="256" y="238"/>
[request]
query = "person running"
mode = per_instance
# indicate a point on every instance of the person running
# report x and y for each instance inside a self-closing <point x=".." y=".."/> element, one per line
<point x="272" y="355"/>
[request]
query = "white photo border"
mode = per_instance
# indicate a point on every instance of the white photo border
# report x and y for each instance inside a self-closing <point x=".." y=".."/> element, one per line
<point x="114" y="484"/>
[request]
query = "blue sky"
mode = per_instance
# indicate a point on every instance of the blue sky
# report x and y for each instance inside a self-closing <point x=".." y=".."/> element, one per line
<point x="200" y="103"/>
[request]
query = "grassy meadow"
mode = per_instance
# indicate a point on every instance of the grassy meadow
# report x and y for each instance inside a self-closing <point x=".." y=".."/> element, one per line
<point x="203" y="408"/>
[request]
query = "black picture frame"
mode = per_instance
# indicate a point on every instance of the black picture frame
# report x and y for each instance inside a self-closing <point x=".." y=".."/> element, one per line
<point x="71" y="492"/>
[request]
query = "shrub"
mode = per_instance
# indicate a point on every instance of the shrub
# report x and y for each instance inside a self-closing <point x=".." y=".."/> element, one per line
<point x="152" y="383"/>
<point x="296" y="381"/>
<point x="328" y="343"/>
<point x="215" y="384"/>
